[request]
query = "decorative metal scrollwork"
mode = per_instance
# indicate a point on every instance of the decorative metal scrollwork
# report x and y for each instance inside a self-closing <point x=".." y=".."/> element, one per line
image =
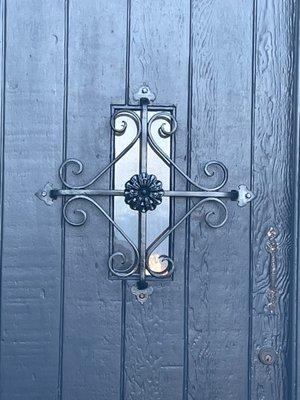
<point x="144" y="192"/>
<point x="209" y="166"/>
<point x="119" y="132"/>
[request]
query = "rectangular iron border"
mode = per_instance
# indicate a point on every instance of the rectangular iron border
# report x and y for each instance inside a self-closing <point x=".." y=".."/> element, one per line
<point x="123" y="107"/>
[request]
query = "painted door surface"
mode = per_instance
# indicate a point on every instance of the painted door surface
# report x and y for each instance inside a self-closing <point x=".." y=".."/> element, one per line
<point x="68" y="332"/>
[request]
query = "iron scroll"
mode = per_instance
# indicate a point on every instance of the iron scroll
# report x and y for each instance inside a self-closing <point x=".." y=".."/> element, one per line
<point x="144" y="192"/>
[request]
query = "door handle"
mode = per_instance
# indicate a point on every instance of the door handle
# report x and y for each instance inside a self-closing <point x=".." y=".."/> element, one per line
<point x="272" y="248"/>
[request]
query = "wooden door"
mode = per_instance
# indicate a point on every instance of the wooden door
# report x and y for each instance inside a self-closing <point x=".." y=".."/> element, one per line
<point x="69" y="331"/>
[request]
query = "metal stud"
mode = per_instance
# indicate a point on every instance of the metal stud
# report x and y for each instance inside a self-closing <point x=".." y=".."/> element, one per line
<point x="267" y="355"/>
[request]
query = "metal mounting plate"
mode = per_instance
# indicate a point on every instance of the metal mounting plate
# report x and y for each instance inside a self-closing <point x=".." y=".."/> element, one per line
<point x="44" y="194"/>
<point x="144" y="92"/>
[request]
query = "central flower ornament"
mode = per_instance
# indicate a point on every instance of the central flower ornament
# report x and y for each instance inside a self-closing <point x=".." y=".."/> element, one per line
<point x="143" y="192"/>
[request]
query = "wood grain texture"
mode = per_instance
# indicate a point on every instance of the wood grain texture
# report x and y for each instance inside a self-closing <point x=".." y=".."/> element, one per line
<point x="31" y="235"/>
<point x="219" y="258"/>
<point x="198" y="336"/>
<point x="3" y="11"/>
<point x="295" y="348"/>
<point x="154" y="331"/>
<point x="92" y="312"/>
<point x="272" y="181"/>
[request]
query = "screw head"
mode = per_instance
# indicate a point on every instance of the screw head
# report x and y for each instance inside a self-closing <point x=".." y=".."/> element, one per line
<point x="44" y="194"/>
<point x="267" y="355"/>
<point x="145" y="90"/>
<point x="248" y="195"/>
<point x="269" y="358"/>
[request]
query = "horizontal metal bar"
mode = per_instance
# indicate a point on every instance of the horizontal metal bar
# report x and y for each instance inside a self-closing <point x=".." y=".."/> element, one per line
<point x="233" y="194"/>
<point x="85" y="192"/>
<point x="54" y="193"/>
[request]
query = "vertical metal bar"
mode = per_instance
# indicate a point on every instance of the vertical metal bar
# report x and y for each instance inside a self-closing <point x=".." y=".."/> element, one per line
<point x="142" y="224"/>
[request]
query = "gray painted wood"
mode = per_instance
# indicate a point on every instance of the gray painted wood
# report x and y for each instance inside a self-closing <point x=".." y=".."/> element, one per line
<point x="219" y="258"/>
<point x="67" y="331"/>
<point x="92" y="309"/>
<point x="2" y="143"/>
<point x="31" y="233"/>
<point x="154" y="332"/>
<point x="295" y="348"/>
<point x="272" y="181"/>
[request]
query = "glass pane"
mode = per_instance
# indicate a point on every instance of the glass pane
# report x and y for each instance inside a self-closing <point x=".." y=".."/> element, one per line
<point x="157" y="220"/>
<point x="127" y="166"/>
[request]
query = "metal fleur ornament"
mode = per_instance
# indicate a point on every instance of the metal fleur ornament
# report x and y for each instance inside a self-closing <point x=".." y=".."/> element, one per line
<point x="143" y="192"/>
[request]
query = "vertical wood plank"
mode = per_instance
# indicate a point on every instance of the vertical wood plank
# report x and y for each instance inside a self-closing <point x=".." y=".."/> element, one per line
<point x="219" y="258"/>
<point x="154" y="331"/>
<point x="2" y="144"/>
<point x="295" y="348"/>
<point x="272" y="181"/>
<point x="92" y="305"/>
<point x="31" y="232"/>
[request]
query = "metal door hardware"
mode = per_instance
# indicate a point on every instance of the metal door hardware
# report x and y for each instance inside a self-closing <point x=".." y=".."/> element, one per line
<point x="267" y="355"/>
<point x="272" y="248"/>
<point x="144" y="192"/>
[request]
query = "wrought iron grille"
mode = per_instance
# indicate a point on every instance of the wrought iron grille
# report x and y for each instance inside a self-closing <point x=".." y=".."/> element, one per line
<point x="144" y="192"/>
